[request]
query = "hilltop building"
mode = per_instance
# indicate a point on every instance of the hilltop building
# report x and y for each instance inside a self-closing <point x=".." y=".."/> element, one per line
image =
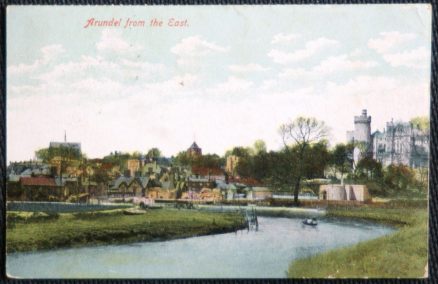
<point x="400" y="143"/>
<point x="361" y="136"/>
<point x="60" y="152"/>
<point x="194" y="150"/>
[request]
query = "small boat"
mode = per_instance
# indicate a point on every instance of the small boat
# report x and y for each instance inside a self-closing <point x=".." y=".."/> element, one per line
<point x="310" y="222"/>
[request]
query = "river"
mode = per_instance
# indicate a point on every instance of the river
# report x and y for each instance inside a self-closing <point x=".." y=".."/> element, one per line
<point x="265" y="253"/>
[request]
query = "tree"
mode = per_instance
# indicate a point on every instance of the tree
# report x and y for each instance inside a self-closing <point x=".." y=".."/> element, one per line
<point x="43" y="155"/>
<point x="154" y="153"/>
<point x="298" y="136"/>
<point x="368" y="169"/>
<point x="259" y="147"/>
<point x="241" y="152"/>
<point x="399" y="178"/>
<point x="341" y="159"/>
<point x="421" y="123"/>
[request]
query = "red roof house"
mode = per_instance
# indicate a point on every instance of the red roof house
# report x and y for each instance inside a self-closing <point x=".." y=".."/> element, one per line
<point x="38" y="181"/>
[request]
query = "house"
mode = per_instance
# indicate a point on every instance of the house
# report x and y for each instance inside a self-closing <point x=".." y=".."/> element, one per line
<point x="210" y="194"/>
<point x="196" y="184"/>
<point x="258" y="193"/>
<point x="151" y="169"/>
<point x="133" y="165"/>
<point x="209" y="173"/>
<point x="167" y="185"/>
<point x="191" y="195"/>
<point x="161" y="193"/>
<point x="130" y="186"/>
<point x="39" y="188"/>
<point x="347" y="192"/>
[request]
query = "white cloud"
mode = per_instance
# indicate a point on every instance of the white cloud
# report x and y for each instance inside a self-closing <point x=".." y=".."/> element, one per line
<point x="78" y="69"/>
<point x="190" y="50"/>
<point x="112" y="41"/>
<point x="247" y="68"/>
<point x="196" y="46"/>
<point x="311" y="48"/>
<point x="343" y="63"/>
<point x="52" y="52"/>
<point x="415" y="58"/>
<point x="233" y="85"/>
<point x="284" y="38"/>
<point x="363" y="85"/>
<point x="387" y="41"/>
<point x="330" y="65"/>
<point x="390" y="46"/>
<point x="49" y="54"/>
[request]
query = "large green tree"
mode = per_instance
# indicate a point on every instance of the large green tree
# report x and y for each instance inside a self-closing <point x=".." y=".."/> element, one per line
<point x="298" y="136"/>
<point x="341" y="159"/>
<point x="154" y="153"/>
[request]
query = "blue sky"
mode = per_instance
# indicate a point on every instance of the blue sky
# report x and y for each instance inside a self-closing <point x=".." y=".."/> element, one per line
<point x="232" y="76"/>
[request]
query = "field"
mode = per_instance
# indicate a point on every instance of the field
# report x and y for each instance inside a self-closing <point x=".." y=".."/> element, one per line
<point x="40" y="231"/>
<point x="401" y="254"/>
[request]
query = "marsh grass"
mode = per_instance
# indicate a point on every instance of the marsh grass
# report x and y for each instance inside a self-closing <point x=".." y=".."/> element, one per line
<point x="25" y="233"/>
<point x="402" y="254"/>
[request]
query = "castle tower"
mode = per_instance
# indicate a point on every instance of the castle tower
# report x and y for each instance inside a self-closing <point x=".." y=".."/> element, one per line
<point x="362" y="128"/>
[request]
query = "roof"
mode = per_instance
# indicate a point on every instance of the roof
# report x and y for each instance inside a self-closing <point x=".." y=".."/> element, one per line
<point x="167" y="185"/>
<point x="65" y="144"/>
<point x="143" y="181"/>
<point x="204" y="171"/>
<point x="194" y="146"/>
<point x="246" y="181"/>
<point x="116" y="183"/>
<point x="107" y="166"/>
<point x="38" y="181"/>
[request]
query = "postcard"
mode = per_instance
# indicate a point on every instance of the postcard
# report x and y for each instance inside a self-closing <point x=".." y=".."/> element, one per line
<point x="271" y="141"/>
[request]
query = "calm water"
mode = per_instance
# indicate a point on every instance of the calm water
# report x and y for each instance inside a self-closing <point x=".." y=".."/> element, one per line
<point x="262" y="254"/>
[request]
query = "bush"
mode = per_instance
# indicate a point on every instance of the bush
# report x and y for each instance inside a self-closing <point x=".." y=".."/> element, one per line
<point x="53" y="198"/>
<point x="72" y="199"/>
<point x="25" y="217"/>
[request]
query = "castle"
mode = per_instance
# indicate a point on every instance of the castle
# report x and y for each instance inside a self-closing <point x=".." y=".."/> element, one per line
<point x="400" y="143"/>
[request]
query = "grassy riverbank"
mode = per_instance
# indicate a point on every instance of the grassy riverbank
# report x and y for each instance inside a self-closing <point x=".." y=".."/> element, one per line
<point x="401" y="254"/>
<point x="39" y="231"/>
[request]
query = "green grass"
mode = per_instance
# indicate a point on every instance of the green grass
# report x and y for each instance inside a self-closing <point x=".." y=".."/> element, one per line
<point x="401" y="254"/>
<point x="29" y="232"/>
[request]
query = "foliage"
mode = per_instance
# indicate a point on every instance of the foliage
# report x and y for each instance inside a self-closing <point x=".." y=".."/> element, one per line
<point x="421" y="122"/>
<point x="341" y="159"/>
<point x="368" y="168"/>
<point x="87" y="229"/>
<point x="394" y="180"/>
<point x="43" y="155"/>
<point x="117" y="158"/>
<point x="204" y="161"/>
<point x="259" y="147"/>
<point x="399" y="177"/>
<point x="154" y="153"/>
<point x="298" y="136"/>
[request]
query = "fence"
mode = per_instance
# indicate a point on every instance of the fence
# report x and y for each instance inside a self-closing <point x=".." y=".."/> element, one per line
<point x="60" y="207"/>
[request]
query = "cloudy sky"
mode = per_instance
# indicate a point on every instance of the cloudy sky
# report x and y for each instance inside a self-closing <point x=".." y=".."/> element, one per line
<point x="232" y="75"/>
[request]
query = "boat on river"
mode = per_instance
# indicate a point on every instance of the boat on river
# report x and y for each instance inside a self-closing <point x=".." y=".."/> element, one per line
<point x="310" y="222"/>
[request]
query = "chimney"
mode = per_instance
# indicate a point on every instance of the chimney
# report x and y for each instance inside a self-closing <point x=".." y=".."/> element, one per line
<point x="364" y="112"/>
